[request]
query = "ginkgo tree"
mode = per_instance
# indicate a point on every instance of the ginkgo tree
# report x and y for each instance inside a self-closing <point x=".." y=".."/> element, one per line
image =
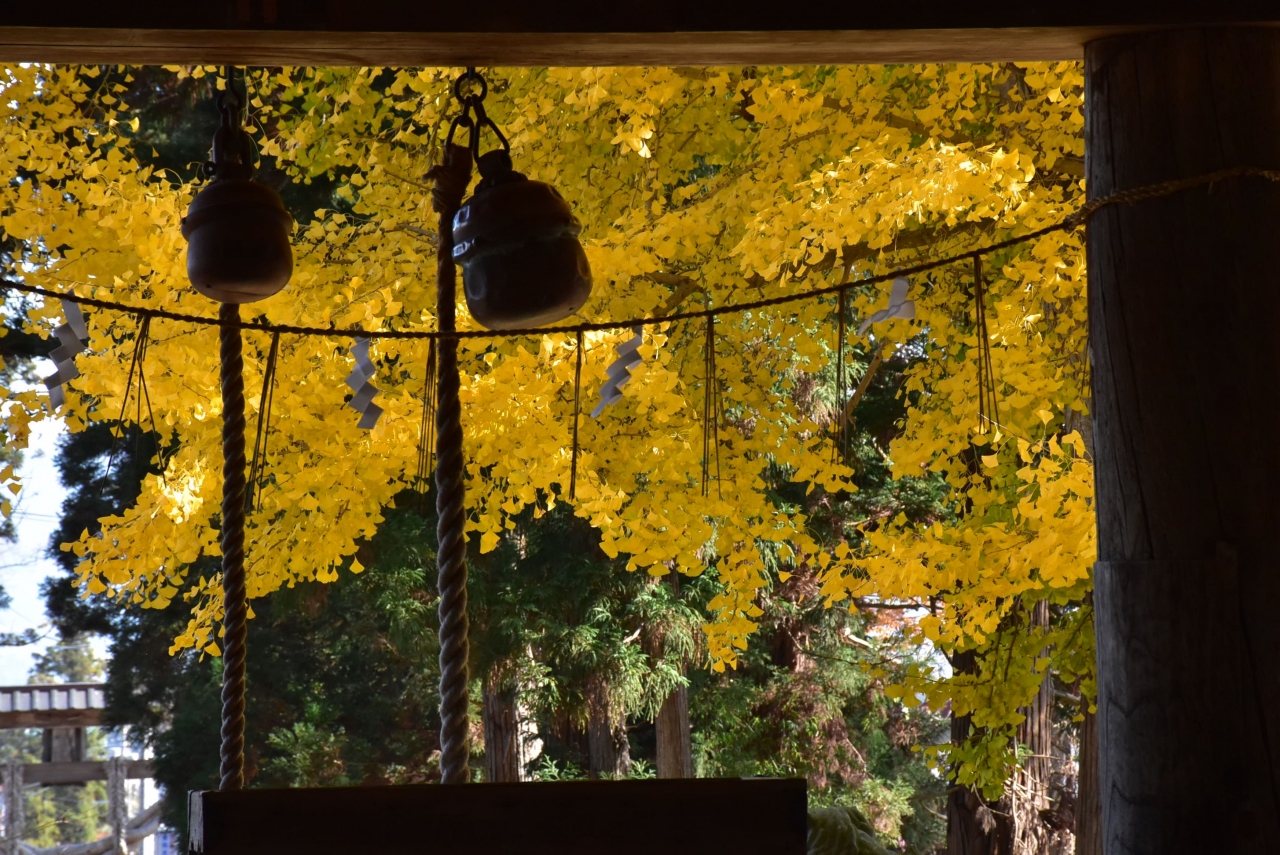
<point x="697" y="188"/>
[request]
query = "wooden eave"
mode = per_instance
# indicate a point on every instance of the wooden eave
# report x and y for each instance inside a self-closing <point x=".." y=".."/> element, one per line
<point x="575" y="32"/>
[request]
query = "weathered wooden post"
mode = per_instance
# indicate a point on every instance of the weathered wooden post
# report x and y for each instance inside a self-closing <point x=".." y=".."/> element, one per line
<point x="1185" y="329"/>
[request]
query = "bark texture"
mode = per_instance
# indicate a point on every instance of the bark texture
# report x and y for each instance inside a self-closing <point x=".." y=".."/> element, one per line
<point x="672" y="728"/>
<point x="1183" y="304"/>
<point x="972" y="827"/>
<point x="675" y="750"/>
<point x="1037" y="796"/>
<point x="502" y="754"/>
<point x="608" y="749"/>
<point x="1088" y="810"/>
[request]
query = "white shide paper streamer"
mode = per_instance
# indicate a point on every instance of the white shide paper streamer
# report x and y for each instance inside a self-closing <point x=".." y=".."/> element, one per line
<point x="358" y="380"/>
<point x="71" y="341"/>
<point x="620" y="371"/>
<point x="899" y="306"/>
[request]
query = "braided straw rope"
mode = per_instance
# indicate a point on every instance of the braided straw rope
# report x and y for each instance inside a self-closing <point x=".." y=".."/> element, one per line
<point x="235" y="602"/>
<point x="451" y="179"/>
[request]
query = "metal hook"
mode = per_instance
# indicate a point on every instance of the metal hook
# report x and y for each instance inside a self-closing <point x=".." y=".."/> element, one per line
<point x="470" y="76"/>
<point x="462" y="120"/>
<point x="473" y="102"/>
<point x="483" y="121"/>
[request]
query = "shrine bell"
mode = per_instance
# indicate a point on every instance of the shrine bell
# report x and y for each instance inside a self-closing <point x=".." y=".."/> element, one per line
<point x="238" y="230"/>
<point x="517" y="242"/>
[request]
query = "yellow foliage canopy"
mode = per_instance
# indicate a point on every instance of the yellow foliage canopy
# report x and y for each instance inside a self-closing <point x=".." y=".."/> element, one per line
<point x="696" y="187"/>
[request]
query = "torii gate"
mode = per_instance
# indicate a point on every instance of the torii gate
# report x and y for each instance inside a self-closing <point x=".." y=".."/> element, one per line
<point x="1184" y="306"/>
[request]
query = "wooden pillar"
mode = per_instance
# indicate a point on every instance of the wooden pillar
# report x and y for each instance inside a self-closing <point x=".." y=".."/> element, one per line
<point x="1184" y="314"/>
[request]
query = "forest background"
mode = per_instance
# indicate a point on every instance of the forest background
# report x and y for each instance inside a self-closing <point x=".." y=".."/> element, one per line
<point x="802" y="603"/>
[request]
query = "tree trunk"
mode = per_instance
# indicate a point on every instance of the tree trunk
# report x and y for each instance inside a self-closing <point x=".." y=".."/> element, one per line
<point x="1088" y="811"/>
<point x="971" y="825"/>
<point x="675" y="751"/>
<point x="608" y="750"/>
<point x="1183" y="306"/>
<point x="1036" y="733"/>
<point x="502" y="754"/>
<point x="1030" y="790"/>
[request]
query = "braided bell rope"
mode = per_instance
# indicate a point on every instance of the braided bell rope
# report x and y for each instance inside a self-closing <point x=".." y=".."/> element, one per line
<point x="235" y="602"/>
<point x="451" y="178"/>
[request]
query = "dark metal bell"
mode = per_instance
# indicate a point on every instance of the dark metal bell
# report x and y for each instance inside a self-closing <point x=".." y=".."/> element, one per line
<point x="517" y="242"/>
<point x="238" y="229"/>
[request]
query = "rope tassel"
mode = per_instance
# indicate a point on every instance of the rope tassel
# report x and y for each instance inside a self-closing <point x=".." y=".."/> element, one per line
<point x="710" y="410"/>
<point x="265" y="402"/>
<point x="577" y="414"/>
<point x="842" y="383"/>
<point x="427" y="425"/>
<point x="987" y="404"/>
<point x="140" y="342"/>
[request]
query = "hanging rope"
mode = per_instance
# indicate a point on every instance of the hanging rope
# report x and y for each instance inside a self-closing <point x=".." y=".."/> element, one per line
<point x="1069" y="223"/>
<point x="427" y="426"/>
<point x="840" y="448"/>
<point x="451" y="178"/>
<point x="710" y="410"/>
<point x="988" y="412"/>
<point x="235" y="603"/>
<point x="135" y="370"/>
<point x="577" y="411"/>
<point x="265" y="402"/>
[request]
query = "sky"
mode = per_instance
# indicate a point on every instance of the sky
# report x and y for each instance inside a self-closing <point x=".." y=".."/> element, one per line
<point x="24" y="565"/>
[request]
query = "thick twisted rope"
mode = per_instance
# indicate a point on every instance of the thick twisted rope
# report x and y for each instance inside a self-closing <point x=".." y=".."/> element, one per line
<point x="451" y="178"/>
<point x="1069" y="223"/>
<point x="235" y="605"/>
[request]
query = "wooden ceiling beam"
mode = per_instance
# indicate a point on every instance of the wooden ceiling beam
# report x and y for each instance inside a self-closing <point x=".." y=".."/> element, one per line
<point x="325" y="48"/>
<point x="585" y="32"/>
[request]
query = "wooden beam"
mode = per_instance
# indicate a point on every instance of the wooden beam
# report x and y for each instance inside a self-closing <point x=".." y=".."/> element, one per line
<point x="674" y="817"/>
<point x="578" y="32"/>
<point x="50" y="718"/>
<point x="243" y="47"/>
<point x="77" y="772"/>
<point x="52" y="705"/>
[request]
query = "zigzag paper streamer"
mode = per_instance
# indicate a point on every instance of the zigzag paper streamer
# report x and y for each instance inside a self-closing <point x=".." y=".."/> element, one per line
<point x="358" y="380"/>
<point x="620" y="371"/>
<point x="71" y="337"/>
<point x="899" y="306"/>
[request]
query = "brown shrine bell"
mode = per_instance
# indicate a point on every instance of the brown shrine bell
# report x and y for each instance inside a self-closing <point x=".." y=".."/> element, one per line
<point x="517" y="242"/>
<point x="238" y="229"/>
